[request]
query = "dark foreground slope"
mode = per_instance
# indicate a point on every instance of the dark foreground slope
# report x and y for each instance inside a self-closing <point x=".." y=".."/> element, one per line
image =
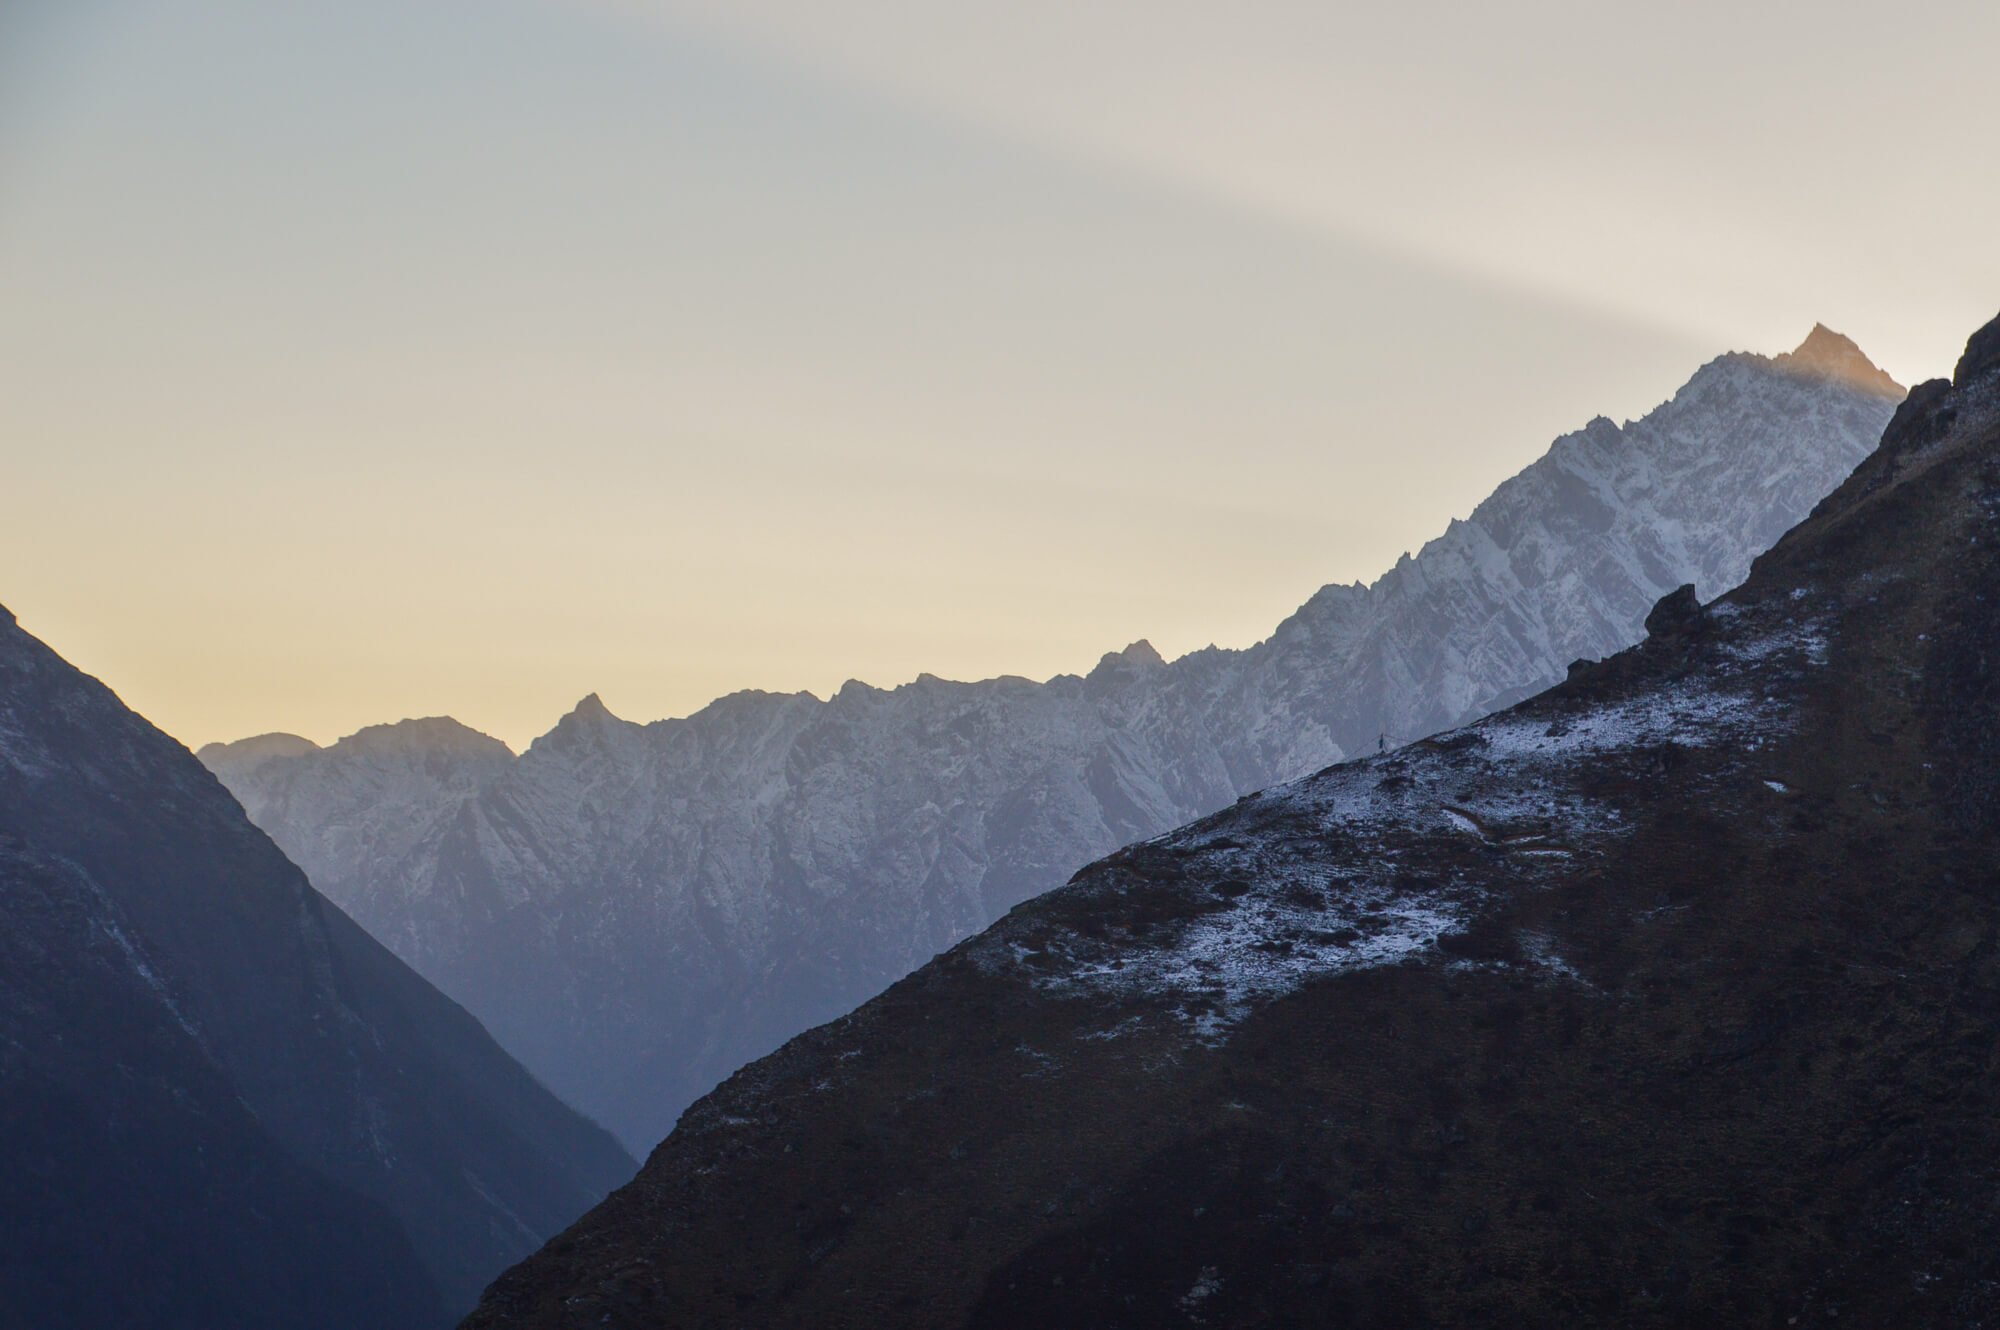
<point x="1669" y="997"/>
<point x="222" y="1103"/>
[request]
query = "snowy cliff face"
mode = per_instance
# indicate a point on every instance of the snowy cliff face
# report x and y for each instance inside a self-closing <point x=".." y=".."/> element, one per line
<point x="1562" y="561"/>
<point x="635" y="911"/>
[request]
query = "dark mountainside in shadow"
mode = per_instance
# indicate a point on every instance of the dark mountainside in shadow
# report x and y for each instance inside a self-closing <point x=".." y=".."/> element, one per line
<point x="636" y="911"/>
<point x="225" y="1104"/>
<point x="1670" y="997"/>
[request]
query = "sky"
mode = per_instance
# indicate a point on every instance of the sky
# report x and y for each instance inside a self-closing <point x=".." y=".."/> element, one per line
<point x="387" y="358"/>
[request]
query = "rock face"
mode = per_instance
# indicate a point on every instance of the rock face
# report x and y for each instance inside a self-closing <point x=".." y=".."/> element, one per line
<point x="227" y="1105"/>
<point x="635" y="911"/>
<point x="1826" y="354"/>
<point x="1669" y="997"/>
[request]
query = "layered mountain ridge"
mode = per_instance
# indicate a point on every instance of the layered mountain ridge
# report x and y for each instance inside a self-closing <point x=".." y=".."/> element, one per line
<point x="228" y="1106"/>
<point x="1668" y="997"/>
<point x="637" y="910"/>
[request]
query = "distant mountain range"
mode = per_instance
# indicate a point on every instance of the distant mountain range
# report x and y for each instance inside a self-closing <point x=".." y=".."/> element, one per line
<point x="226" y="1107"/>
<point x="637" y="910"/>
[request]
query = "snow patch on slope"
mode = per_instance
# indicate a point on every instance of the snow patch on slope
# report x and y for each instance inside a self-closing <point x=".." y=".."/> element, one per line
<point x="1505" y="783"/>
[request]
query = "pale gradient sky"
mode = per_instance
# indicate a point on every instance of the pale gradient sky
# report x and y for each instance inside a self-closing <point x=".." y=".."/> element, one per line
<point x="401" y="357"/>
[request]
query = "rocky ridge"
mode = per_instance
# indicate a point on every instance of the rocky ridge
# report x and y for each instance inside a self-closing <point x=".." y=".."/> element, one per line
<point x="637" y="910"/>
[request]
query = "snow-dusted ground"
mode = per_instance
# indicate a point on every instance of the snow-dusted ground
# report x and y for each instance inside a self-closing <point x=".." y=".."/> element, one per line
<point x="1507" y="783"/>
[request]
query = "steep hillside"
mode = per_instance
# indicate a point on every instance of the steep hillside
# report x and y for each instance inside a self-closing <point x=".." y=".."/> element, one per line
<point x="635" y="911"/>
<point x="1670" y="997"/>
<point x="227" y="1105"/>
<point x="136" y="1188"/>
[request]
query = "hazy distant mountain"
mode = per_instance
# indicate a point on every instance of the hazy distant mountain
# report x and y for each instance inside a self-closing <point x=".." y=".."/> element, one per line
<point x="636" y="910"/>
<point x="1669" y="998"/>
<point x="225" y="1104"/>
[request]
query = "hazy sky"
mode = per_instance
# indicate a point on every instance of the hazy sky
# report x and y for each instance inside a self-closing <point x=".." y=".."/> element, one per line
<point x="375" y="358"/>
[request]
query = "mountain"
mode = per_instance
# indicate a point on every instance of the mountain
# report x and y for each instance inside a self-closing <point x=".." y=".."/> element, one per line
<point x="225" y="1104"/>
<point x="1669" y="997"/>
<point x="635" y="911"/>
<point x="1826" y="354"/>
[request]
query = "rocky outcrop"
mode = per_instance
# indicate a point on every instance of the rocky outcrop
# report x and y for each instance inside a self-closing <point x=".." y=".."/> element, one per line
<point x="1677" y="615"/>
<point x="1982" y="356"/>
<point x="637" y="910"/>
<point x="1669" y="997"/>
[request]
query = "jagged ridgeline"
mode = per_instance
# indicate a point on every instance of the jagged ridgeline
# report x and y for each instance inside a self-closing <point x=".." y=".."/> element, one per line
<point x="636" y="911"/>
<point x="225" y="1105"/>
<point x="1669" y="997"/>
